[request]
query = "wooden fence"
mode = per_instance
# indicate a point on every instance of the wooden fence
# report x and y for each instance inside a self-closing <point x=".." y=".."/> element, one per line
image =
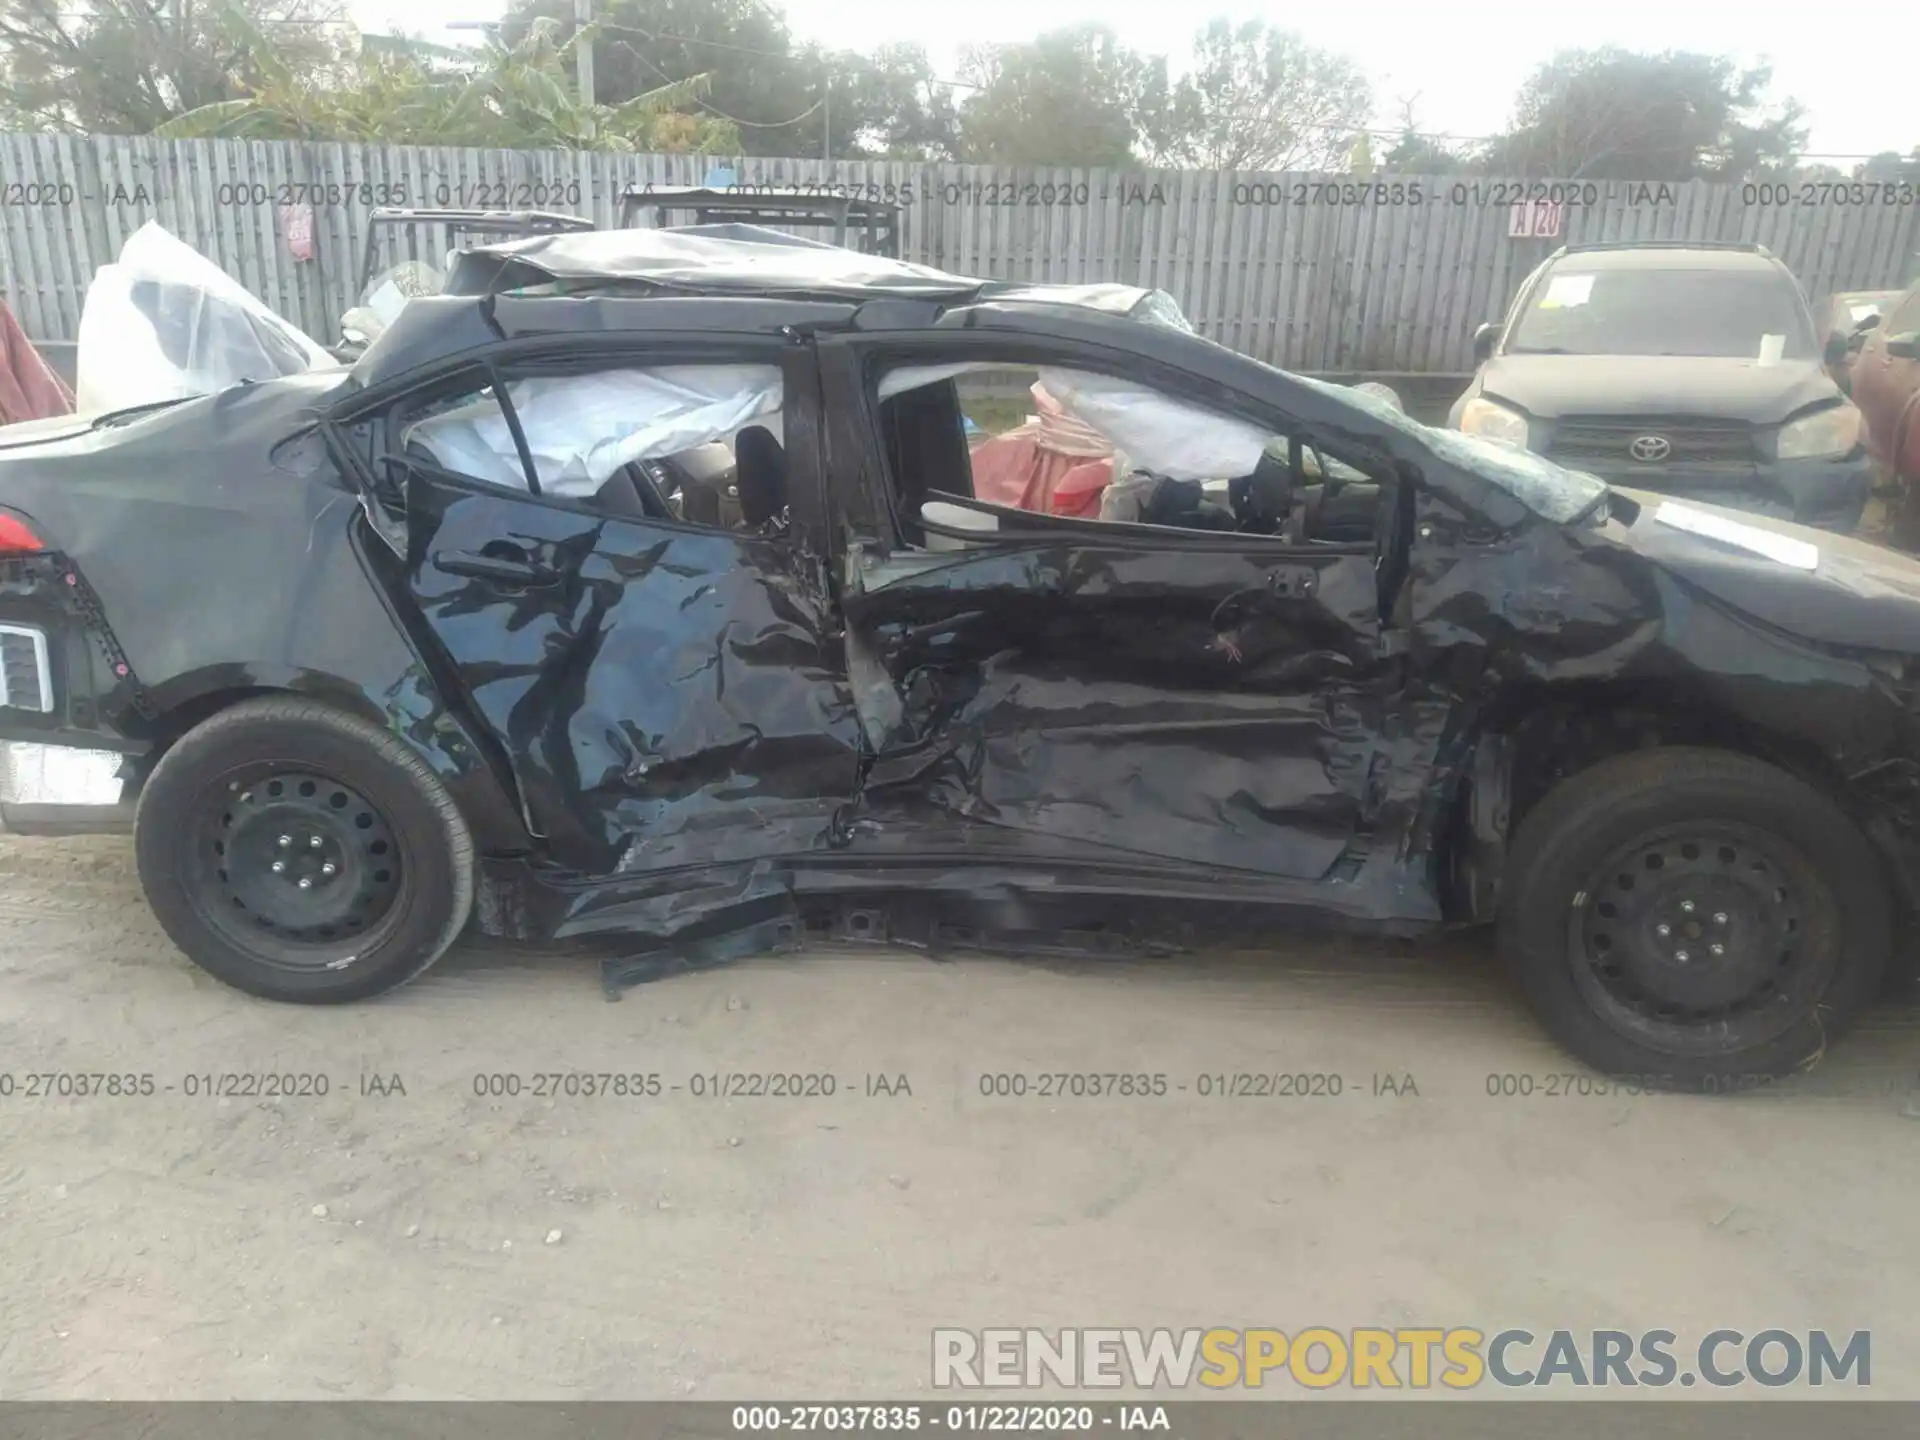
<point x="1317" y="273"/>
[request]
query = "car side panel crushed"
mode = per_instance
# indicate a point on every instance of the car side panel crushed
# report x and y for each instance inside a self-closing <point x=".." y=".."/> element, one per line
<point x="668" y="698"/>
<point x="1594" y="652"/>
<point x="692" y="743"/>
<point x="1315" y="770"/>
<point x="1226" y="714"/>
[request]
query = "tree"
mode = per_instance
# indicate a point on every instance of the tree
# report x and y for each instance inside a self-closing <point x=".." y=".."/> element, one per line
<point x="1069" y="97"/>
<point x="1257" y="98"/>
<point x="785" y="100"/>
<point x="123" y="67"/>
<point x="1888" y="165"/>
<point x="889" y="103"/>
<point x="1612" y="114"/>
<point x="495" y="96"/>
<point x="754" y="76"/>
<point x="1415" y="153"/>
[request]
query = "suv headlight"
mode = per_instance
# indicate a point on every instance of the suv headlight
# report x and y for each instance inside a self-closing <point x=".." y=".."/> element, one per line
<point x="1494" y="422"/>
<point x="1833" y="431"/>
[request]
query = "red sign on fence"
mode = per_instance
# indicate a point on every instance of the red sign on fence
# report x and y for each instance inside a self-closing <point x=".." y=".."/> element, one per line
<point x="296" y="226"/>
<point x="1533" y="220"/>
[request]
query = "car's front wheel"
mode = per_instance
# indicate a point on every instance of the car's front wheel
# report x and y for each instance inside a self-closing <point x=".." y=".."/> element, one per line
<point x="300" y="853"/>
<point x="1695" y="917"/>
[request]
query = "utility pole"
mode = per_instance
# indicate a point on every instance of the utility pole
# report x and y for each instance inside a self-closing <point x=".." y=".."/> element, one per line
<point x="583" y="48"/>
<point x="826" y="123"/>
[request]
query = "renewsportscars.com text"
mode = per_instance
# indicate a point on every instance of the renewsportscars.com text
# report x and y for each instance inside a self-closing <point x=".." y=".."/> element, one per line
<point x="1402" y="1357"/>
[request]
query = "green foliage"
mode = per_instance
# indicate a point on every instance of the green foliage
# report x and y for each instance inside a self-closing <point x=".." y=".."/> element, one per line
<point x="789" y="100"/>
<point x="727" y="77"/>
<point x="1612" y="114"/>
<point x="519" y="96"/>
<point x="1417" y="154"/>
<point x="1257" y="98"/>
<point x="123" y="67"/>
<point x="1072" y="96"/>
<point x="1888" y="165"/>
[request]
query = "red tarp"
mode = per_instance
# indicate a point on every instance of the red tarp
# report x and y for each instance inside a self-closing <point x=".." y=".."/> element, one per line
<point x="29" y="389"/>
<point x="1052" y="463"/>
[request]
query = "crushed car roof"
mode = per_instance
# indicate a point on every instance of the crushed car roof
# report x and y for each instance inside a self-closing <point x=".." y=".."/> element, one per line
<point x="505" y="219"/>
<point x="689" y="262"/>
<point x="797" y="198"/>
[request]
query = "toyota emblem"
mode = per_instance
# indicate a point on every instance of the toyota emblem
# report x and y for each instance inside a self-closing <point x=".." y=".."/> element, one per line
<point x="1649" y="448"/>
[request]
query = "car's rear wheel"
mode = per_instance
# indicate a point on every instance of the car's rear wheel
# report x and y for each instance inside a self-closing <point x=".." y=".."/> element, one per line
<point x="1694" y="917"/>
<point x="300" y="853"/>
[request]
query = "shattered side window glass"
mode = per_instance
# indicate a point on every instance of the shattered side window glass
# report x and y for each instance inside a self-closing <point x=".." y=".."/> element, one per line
<point x="1549" y="490"/>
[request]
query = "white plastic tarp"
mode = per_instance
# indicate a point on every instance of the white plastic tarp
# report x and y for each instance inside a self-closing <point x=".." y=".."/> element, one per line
<point x="706" y="262"/>
<point x="582" y="428"/>
<point x="164" y="323"/>
<point x="1156" y="306"/>
<point x="387" y="294"/>
<point x="701" y="258"/>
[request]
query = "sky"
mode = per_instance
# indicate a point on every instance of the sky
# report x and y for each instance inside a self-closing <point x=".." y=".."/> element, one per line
<point x="1460" y="66"/>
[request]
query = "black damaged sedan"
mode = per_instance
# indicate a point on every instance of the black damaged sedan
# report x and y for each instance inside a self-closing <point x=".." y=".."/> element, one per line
<point x="692" y="593"/>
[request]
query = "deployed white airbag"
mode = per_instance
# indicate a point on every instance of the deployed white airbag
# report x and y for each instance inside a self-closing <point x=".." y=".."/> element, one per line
<point x="164" y="323"/>
<point x="1156" y="432"/>
<point x="582" y="428"/>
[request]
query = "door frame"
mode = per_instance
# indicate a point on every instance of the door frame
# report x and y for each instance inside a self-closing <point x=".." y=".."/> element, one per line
<point x="384" y="498"/>
<point x="801" y="412"/>
<point x="863" y="498"/>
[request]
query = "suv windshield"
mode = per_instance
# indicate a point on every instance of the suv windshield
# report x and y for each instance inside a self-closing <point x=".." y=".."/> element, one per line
<point x="1743" y="314"/>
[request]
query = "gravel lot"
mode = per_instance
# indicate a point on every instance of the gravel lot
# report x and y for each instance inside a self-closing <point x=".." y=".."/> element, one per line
<point x="439" y="1243"/>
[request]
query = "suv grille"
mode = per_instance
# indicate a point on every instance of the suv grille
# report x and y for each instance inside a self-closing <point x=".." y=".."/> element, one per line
<point x="24" y="681"/>
<point x="1611" y="441"/>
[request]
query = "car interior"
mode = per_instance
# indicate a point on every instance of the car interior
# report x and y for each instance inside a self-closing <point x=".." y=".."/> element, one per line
<point x="941" y="436"/>
<point x="736" y="480"/>
<point x="935" y="434"/>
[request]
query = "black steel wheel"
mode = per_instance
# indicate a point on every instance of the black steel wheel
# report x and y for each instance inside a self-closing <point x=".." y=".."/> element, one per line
<point x="1694" y="917"/>
<point x="301" y="853"/>
<point x="297" y="856"/>
<point x="1697" y="935"/>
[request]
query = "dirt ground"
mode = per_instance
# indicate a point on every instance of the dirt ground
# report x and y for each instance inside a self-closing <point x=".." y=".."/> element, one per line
<point x="439" y="1243"/>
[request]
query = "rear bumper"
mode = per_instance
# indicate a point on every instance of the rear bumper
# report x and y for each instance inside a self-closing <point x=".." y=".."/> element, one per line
<point x="67" y="765"/>
<point x="59" y="789"/>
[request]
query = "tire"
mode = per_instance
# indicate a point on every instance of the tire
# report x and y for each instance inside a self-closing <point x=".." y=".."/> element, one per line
<point x="1723" y="851"/>
<point x="281" y="790"/>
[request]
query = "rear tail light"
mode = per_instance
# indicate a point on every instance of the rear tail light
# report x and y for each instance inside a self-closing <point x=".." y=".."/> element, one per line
<point x="17" y="537"/>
